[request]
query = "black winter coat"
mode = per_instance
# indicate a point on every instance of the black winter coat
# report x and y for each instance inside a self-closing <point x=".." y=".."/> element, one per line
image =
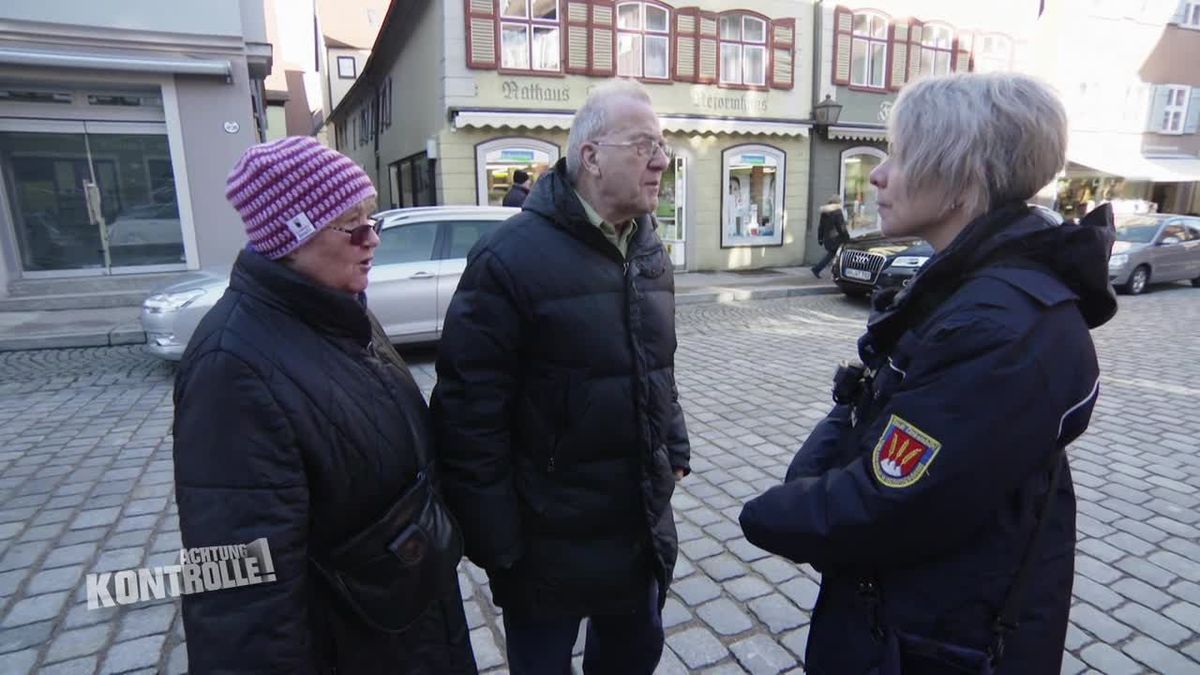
<point x="516" y="196"/>
<point x="831" y="230"/>
<point x="287" y="426"/>
<point x="930" y="488"/>
<point x="556" y="412"/>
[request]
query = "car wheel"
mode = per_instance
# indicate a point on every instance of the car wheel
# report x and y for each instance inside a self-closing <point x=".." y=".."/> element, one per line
<point x="1196" y="282"/>
<point x="1137" y="281"/>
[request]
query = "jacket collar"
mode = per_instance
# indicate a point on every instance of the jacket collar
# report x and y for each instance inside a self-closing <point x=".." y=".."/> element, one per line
<point x="553" y="197"/>
<point x="337" y="314"/>
<point x="1075" y="254"/>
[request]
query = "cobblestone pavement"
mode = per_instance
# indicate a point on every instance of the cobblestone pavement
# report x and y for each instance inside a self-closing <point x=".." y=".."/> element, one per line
<point x="86" y="485"/>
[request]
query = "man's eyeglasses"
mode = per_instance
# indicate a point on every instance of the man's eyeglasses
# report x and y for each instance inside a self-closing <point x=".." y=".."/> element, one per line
<point x="360" y="234"/>
<point x="645" y="148"/>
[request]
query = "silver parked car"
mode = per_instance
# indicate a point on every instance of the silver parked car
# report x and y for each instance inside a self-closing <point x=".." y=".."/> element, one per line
<point x="420" y="257"/>
<point x="1154" y="248"/>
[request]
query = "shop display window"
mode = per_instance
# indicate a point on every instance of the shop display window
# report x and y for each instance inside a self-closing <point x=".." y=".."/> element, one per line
<point x="499" y="161"/>
<point x="752" y="196"/>
<point x="859" y="197"/>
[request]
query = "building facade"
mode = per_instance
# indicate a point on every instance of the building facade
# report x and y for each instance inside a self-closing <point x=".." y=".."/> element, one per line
<point x="1131" y="81"/>
<point x="866" y="53"/>
<point x="118" y="126"/>
<point x="497" y="83"/>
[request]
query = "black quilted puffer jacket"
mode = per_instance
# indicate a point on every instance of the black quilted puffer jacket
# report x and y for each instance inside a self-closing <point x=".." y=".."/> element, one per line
<point x="557" y="417"/>
<point x="289" y="427"/>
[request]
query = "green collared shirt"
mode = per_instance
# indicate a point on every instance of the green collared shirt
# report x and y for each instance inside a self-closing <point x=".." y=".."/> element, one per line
<point x="621" y="239"/>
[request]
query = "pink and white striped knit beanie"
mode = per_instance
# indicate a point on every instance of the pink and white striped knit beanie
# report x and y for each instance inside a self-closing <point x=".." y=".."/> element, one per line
<point x="287" y="190"/>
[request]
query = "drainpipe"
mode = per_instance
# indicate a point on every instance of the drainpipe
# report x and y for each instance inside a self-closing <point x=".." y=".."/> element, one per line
<point x="812" y="146"/>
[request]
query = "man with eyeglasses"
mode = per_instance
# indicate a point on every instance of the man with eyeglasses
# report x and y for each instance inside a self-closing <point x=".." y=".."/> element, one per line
<point x="557" y="416"/>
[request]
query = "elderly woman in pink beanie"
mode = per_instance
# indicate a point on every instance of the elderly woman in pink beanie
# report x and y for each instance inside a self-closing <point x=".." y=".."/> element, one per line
<point x="298" y="430"/>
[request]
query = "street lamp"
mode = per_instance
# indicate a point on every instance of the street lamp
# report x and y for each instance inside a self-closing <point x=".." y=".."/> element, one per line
<point x="827" y="112"/>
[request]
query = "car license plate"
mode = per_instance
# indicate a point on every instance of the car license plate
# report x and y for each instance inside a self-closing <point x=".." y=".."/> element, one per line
<point x="861" y="275"/>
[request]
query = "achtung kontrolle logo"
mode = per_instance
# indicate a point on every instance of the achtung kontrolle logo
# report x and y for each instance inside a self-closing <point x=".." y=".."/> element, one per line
<point x="211" y="568"/>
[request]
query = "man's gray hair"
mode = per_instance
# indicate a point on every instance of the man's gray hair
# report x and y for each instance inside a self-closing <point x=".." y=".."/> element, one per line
<point x="982" y="138"/>
<point x="591" y="121"/>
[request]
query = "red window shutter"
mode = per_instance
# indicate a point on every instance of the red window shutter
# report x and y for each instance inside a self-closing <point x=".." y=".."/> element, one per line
<point x="914" y="49"/>
<point x="706" y="63"/>
<point x="482" y="50"/>
<point x="843" y="31"/>
<point x="783" y="50"/>
<point x="687" y="28"/>
<point x="962" y="53"/>
<point x="604" y="23"/>
<point x="898" y="55"/>
<point x="578" y="37"/>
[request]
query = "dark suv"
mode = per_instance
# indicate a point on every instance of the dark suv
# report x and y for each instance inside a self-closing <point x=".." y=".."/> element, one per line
<point x="875" y="261"/>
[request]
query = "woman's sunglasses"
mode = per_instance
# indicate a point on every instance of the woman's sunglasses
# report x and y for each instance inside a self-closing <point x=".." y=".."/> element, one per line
<point x="360" y="234"/>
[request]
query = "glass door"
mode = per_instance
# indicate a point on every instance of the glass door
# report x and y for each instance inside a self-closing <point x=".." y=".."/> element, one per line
<point x="672" y="200"/>
<point x="93" y="197"/>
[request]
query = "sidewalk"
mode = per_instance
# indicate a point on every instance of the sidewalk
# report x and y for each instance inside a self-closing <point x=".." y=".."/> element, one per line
<point x="59" y="329"/>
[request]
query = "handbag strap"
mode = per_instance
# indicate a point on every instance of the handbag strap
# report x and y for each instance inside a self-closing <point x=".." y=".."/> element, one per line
<point x="1007" y="619"/>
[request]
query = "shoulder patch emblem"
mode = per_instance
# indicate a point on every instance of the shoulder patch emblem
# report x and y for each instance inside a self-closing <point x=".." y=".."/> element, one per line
<point x="903" y="454"/>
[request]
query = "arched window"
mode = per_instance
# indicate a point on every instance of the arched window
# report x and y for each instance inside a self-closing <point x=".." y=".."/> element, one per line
<point x="868" y="51"/>
<point x="752" y="196"/>
<point x="937" y="49"/>
<point x="496" y="161"/>
<point x="743" y="50"/>
<point x="643" y="40"/>
<point x="858" y="195"/>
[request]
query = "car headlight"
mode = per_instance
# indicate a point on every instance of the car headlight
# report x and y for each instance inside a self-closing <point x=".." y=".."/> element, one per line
<point x="171" y="302"/>
<point x="910" y="261"/>
<point x="1118" y="261"/>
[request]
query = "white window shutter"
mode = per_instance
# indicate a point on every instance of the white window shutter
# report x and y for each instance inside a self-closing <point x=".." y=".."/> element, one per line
<point x="1158" y="105"/>
<point x="1191" y="123"/>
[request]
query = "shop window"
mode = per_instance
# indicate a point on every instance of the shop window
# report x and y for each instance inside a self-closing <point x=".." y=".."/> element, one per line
<point x="743" y="50"/>
<point x="416" y="184"/>
<point x="859" y="197"/>
<point x="498" y="161"/>
<point x="529" y="35"/>
<point x="643" y="40"/>
<point x="993" y="53"/>
<point x="1169" y="114"/>
<point x="868" y="40"/>
<point x="752" y="196"/>
<point x="937" y="50"/>
<point x="347" y="69"/>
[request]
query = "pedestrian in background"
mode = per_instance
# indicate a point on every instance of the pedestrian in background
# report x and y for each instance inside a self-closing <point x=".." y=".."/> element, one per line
<point x="831" y="232"/>
<point x="935" y="499"/>
<point x="559" y="430"/>
<point x="519" y="191"/>
<point x="290" y="426"/>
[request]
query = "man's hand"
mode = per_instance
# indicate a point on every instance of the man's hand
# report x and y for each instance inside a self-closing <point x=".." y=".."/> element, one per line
<point x="679" y="473"/>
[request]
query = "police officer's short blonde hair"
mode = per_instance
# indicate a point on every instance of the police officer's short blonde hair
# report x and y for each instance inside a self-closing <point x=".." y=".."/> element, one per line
<point x="980" y="139"/>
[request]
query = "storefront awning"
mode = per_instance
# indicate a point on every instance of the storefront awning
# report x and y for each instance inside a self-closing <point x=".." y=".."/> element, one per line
<point x="843" y="133"/>
<point x="180" y="65"/>
<point x="1128" y="162"/>
<point x="482" y="119"/>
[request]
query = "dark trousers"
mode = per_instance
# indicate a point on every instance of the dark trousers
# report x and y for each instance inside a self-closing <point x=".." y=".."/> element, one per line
<point x="617" y="644"/>
<point x="819" y="267"/>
